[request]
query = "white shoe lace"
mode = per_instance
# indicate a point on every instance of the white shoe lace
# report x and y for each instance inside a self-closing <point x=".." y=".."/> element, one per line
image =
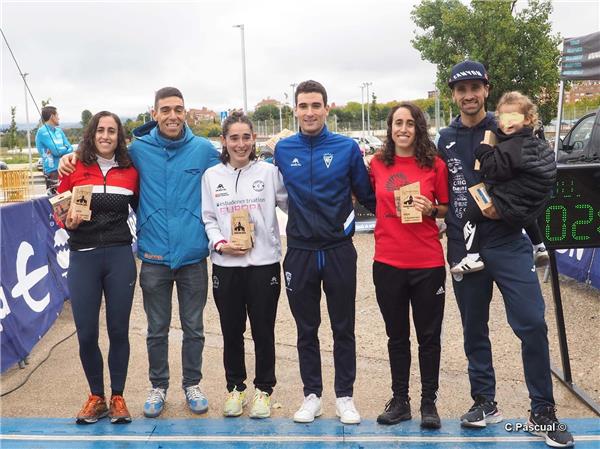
<point x="310" y="402"/>
<point x="194" y="393"/>
<point x="156" y="395"/>
<point x="346" y="404"/>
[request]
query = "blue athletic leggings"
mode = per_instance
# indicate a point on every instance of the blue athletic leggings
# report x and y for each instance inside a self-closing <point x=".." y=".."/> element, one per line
<point x="112" y="271"/>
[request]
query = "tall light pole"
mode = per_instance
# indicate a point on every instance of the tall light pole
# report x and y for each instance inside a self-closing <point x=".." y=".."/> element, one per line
<point x="280" y="117"/>
<point x="368" y="109"/>
<point x="293" y="86"/>
<point x="362" y="106"/>
<point x="27" y="120"/>
<point x="241" y="27"/>
<point x="437" y="109"/>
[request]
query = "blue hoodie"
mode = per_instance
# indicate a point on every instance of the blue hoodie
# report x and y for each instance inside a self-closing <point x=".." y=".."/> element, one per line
<point x="170" y="230"/>
<point x="457" y="144"/>
<point x="320" y="174"/>
<point x="52" y="143"/>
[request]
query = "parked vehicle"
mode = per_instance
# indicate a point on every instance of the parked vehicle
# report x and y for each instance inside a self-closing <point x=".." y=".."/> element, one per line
<point x="582" y="142"/>
<point x="3" y="165"/>
<point x="368" y="144"/>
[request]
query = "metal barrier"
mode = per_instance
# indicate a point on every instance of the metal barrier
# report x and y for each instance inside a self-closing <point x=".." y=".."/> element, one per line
<point x="14" y="185"/>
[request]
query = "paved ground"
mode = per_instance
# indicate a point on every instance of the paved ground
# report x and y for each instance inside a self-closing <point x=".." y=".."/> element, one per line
<point x="58" y="387"/>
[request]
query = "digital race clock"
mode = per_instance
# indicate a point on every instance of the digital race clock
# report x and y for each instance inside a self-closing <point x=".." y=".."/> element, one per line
<point x="572" y="217"/>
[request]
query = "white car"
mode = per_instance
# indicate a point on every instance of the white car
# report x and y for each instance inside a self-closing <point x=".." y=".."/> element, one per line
<point x="368" y="144"/>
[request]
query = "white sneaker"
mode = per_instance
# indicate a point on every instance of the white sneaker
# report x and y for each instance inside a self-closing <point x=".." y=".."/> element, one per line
<point x="468" y="265"/>
<point x="346" y="411"/>
<point x="310" y="409"/>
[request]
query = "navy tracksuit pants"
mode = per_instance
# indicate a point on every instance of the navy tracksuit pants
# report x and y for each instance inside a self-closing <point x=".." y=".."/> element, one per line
<point x="335" y="269"/>
<point x="511" y="266"/>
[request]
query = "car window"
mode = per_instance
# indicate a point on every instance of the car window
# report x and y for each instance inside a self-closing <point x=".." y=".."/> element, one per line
<point x="580" y="135"/>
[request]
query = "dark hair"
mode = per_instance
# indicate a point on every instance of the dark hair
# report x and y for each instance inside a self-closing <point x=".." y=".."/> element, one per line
<point x="166" y="92"/>
<point x="235" y="117"/>
<point x="306" y="87"/>
<point x="47" y="112"/>
<point x="87" y="146"/>
<point x="425" y="151"/>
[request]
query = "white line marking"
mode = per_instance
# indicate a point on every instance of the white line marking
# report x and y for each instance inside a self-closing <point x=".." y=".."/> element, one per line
<point x="285" y="438"/>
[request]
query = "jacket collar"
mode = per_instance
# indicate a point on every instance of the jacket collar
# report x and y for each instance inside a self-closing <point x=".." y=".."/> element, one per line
<point x="314" y="140"/>
<point x="526" y="131"/>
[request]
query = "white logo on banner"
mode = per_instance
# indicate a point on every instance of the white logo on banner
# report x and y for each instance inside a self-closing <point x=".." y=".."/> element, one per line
<point x="4" y="309"/>
<point x="573" y="252"/>
<point x="26" y="281"/>
<point x="62" y="250"/>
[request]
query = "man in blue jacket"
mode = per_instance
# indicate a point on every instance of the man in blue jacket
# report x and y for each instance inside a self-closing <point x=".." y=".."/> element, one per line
<point x="508" y="262"/>
<point x="321" y="170"/>
<point x="51" y="143"/>
<point x="172" y="243"/>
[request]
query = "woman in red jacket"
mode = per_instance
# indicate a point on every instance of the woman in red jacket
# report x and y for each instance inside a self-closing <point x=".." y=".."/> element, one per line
<point x="102" y="262"/>
<point x="408" y="270"/>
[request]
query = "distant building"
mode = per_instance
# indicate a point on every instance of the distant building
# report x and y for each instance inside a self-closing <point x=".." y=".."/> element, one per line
<point x="581" y="90"/>
<point x="194" y="116"/>
<point x="267" y="102"/>
<point x="431" y="93"/>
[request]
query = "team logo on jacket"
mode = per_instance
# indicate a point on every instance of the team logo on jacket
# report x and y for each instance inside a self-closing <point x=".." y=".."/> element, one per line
<point x="295" y="163"/>
<point x="327" y="158"/>
<point x="221" y="191"/>
<point x="215" y="282"/>
<point x="258" y="185"/>
<point x="274" y="281"/>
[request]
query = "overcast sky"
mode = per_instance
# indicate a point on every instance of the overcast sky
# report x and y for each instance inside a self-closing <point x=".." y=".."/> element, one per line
<point x="114" y="54"/>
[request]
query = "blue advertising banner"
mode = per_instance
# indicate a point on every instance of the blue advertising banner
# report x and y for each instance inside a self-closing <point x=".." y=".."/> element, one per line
<point x="581" y="264"/>
<point x="33" y="275"/>
<point x="33" y="282"/>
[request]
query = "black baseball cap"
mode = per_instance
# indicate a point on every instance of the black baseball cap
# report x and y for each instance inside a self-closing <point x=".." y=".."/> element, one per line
<point x="468" y="70"/>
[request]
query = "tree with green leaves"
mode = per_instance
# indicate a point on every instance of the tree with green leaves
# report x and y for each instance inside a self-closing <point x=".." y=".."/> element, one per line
<point x="86" y="116"/>
<point x="11" y="132"/>
<point x="517" y="47"/>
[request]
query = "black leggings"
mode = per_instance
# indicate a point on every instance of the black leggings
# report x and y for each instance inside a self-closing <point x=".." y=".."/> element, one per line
<point x="423" y="289"/>
<point x="253" y="292"/>
<point x="112" y="271"/>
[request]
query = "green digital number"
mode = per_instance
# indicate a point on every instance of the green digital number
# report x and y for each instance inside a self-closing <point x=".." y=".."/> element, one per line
<point x="563" y="217"/>
<point x="588" y="220"/>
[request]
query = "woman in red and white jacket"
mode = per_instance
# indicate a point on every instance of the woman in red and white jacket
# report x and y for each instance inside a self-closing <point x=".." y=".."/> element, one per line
<point x="102" y="262"/>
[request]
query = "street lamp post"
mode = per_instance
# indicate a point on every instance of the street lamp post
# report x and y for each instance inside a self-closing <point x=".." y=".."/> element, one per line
<point x="362" y="107"/>
<point x="241" y="27"/>
<point x="293" y="86"/>
<point x="368" y="109"/>
<point x="280" y="118"/>
<point x="27" y="120"/>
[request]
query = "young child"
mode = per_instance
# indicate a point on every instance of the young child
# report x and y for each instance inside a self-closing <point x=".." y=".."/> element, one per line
<point x="519" y="173"/>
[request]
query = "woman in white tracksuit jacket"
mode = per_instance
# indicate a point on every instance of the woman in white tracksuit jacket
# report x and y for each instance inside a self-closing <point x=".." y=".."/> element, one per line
<point x="245" y="282"/>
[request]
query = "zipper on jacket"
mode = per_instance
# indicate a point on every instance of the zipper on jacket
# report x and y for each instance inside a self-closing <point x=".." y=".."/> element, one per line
<point x="239" y="170"/>
<point x="312" y="200"/>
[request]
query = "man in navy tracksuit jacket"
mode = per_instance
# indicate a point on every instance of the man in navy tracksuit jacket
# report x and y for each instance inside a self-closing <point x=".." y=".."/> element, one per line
<point x="320" y="171"/>
<point x="508" y="262"/>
